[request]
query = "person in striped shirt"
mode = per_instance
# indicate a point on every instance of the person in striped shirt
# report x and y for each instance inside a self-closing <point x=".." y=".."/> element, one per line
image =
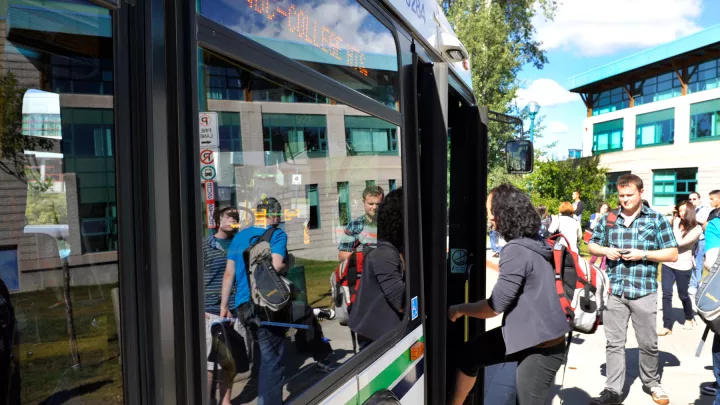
<point x="215" y="252"/>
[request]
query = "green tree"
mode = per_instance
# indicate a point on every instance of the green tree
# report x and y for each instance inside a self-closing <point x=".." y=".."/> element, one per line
<point x="498" y="35"/>
<point x="554" y="182"/>
<point x="12" y="141"/>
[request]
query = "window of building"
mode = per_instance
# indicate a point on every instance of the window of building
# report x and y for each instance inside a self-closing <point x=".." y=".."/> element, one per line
<point x="607" y="136"/>
<point x="610" y="100"/>
<point x="313" y="201"/>
<point x="87" y="146"/>
<point x="655" y="128"/>
<point x="370" y="136"/>
<point x="230" y="136"/>
<point x="657" y="88"/>
<point x="611" y="182"/>
<point x="705" y="76"/>
<point x="360" y="54"/>
<point x="343" y="188"/>
<point x="673" y="185"/>
<point x="705" y="120"/>
<point x="392" y="184"/>
<point x="224" y="80"/>
<point x="574" y="153"/>
<point x="288" y="137"/>
<point x="9" y="271"/>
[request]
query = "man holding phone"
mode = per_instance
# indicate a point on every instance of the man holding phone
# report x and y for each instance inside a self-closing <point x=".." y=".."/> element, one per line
<point x="634" y="239"/>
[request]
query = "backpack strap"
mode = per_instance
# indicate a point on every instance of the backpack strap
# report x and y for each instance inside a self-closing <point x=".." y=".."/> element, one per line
<point x="611" y="222"/>
<point x="558" y="260"/>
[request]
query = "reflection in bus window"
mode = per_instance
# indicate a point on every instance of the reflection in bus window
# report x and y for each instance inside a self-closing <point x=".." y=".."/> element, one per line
<point x="294" y="182"/>
<point x="58" y="234"/>
<point x="339" y="39"/>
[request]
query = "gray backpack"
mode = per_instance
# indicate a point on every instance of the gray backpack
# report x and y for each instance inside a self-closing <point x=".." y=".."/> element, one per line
<point x="708" y="298"/>
<point x="268" y="289"/>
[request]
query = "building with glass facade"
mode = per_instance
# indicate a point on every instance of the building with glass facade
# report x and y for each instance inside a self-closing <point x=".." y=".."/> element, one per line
<point x="656" y="114"/>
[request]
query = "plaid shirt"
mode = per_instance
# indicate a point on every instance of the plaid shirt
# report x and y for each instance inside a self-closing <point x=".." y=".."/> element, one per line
<point x="649" y="231"/>
<point x="358" y="228"/>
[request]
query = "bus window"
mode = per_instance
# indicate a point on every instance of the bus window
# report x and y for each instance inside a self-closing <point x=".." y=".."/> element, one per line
<point x="59" y="296"/>
<point x="288" y="166"/>
<point x="339" y="39"/>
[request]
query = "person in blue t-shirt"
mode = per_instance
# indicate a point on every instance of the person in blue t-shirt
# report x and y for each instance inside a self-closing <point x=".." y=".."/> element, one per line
<point x="269" y="338"/>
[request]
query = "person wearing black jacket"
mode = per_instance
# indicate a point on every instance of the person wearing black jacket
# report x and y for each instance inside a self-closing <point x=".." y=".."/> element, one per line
<point x="534" y="325"/>
<point x="379" y="305"/>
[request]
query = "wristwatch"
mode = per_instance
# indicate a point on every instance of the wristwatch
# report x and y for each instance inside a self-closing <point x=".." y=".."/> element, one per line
<point x="644" y="255"/>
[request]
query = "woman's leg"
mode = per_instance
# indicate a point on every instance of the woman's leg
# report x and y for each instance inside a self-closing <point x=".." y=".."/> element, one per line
<point x="536" y="374"/>
<point x="604" y="264"/>
<point x="593" y="259"/>
<point x="668" y="279"/>
<point x="484" y="350"/>
<point x="683" y="282"/>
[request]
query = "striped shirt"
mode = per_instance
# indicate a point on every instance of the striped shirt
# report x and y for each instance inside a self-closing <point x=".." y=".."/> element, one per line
<point x="215" y="259"/>
<point x="649" y="231"/>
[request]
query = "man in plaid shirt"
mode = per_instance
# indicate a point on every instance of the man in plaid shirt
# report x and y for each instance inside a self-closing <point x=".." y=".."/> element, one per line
<point x="639" y="239"/>
<point x="362" y="228"/>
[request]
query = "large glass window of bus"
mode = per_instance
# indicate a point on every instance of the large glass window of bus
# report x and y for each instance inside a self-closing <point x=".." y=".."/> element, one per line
<point x="296" y="175"/>
<point x="58" y="233"/>
<point x="339" y="39"/>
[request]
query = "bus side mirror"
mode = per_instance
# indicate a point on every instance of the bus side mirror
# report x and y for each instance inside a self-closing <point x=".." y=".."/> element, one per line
<point x="520" y="156"/>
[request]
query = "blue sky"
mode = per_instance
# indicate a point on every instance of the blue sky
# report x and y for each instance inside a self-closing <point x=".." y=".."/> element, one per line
<point x="586" y="34"/>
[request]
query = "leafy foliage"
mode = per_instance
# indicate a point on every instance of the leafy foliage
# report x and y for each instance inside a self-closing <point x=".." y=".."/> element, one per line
<point x="12" y="141"/>
<point x="554" y="182"/>
<point x="498" y="35"/>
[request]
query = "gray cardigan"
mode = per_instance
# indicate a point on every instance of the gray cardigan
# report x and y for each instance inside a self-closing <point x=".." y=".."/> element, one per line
<point x="525" y="295"/>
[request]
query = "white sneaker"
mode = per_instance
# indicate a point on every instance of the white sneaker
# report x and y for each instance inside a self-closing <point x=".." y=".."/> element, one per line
<point x="659" y="395"/>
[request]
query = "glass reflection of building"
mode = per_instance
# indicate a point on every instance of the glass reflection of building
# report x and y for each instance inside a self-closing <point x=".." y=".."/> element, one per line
<point x="61" y="49"/>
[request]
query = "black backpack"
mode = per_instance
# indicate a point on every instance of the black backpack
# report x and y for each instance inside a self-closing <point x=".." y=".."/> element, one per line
<point x="268" y="289"/>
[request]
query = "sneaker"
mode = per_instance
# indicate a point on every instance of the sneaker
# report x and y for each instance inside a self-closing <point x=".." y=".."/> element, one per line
<point x="659" y="395"/>
<point x="324" y="313"/>
<point x="709" y="389"/>
<point x="664" y="332"/>
<point x="324" y="367"/>
<point x="607" y="397"/>
<point x="688" y="325"/>
<point x="692" y="291"/>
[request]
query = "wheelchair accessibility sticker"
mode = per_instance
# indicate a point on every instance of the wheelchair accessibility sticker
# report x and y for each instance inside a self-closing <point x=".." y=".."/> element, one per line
<point x="414" y="308"/>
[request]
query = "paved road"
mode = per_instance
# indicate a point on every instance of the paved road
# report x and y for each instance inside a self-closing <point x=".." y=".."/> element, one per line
<point x="681" y="371"/>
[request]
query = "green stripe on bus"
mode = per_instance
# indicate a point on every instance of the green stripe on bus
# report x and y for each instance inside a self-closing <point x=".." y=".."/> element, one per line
<point x="386" y="377"/>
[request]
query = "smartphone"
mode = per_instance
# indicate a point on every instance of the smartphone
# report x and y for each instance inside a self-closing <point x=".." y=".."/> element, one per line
<point x="624" y="252"/>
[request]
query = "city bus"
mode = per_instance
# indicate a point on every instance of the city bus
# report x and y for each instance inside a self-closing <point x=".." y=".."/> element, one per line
<point x="126" y="124"/>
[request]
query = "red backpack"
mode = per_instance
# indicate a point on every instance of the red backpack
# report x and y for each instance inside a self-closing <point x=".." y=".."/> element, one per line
<point x="582" y="288"/>
<point x="345" y="281"/>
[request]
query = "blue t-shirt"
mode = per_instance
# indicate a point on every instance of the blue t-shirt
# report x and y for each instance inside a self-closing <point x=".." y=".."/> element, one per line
<point x="241" y="241"/>
<point x="712" y="234"/>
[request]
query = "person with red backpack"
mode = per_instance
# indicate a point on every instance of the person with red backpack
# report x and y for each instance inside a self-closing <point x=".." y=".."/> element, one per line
<point x="534" y="322"/>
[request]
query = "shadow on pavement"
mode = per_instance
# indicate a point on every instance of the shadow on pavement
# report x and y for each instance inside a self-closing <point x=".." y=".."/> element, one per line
<point x="572" y="395"/>
<point x="632" y="366"/>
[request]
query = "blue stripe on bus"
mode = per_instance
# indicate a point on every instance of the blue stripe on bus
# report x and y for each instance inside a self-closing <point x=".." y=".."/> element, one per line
<point x="409" y="379"/>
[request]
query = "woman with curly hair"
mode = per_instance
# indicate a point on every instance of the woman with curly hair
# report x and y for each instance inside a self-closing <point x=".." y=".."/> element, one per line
<point x="379" y="304"/>
<point x="534" y="324"/>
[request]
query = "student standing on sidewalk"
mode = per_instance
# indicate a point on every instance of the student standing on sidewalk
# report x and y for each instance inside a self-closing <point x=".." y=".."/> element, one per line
<point x="686" y="231"/>
<point x="701" y="214"/>
<point x="634" y="240"/>
<point x="534" y="324"/>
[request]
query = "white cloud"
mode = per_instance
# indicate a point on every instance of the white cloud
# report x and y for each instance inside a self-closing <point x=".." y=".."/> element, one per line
<point x="604" y="27"/>
<point x="557" y="127"/>
<point x="546" y="92"/>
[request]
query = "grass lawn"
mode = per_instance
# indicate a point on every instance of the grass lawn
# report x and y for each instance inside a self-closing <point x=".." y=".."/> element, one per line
<point x="317" y="281"/>
<point x="44" y="350"/>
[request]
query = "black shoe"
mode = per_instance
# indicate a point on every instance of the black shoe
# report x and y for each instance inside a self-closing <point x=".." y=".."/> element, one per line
<point x="607" y="397"/>
<point x="709" y="389"/>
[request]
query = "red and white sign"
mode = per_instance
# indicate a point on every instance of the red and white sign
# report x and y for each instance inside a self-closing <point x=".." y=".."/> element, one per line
<point x="210" y="203"/>
<point x="207" y="157"/>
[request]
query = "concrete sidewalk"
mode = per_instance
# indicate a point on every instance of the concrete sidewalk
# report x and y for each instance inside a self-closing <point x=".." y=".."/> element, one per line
<point x="681" y="372"/>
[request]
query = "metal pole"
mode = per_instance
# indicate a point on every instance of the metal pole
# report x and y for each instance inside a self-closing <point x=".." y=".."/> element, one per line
<point x="532" y="127"/>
